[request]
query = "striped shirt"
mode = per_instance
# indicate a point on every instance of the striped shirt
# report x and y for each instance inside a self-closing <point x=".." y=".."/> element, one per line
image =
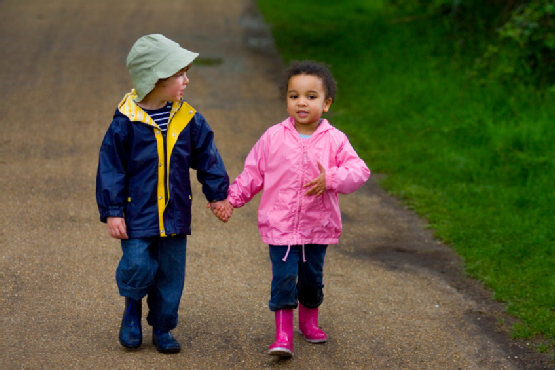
<point x="160" y="116"/>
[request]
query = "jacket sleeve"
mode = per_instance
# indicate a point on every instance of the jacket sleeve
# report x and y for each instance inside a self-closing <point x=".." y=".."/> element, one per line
<point x="351" y="171"/>
<point x="110" y="175"/>
<point x="207" y="161"/>
<point x="251" y="181"/>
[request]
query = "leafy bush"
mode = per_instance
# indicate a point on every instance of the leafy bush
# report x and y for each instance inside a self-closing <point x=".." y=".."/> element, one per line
<point x="525" y="47"/>
<point x="502" y="41"/>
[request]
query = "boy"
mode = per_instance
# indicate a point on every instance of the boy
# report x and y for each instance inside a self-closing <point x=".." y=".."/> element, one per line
<point x="143" y="188"/>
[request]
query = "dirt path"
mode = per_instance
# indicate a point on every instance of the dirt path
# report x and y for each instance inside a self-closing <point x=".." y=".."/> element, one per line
<point x="392" y="292"/>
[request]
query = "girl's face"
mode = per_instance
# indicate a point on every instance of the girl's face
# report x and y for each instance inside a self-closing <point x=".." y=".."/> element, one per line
<point x="306" y="101"/>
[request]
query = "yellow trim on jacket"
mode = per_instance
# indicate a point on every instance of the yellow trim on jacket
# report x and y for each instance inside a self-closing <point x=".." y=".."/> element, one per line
<point x="178" y="120"/>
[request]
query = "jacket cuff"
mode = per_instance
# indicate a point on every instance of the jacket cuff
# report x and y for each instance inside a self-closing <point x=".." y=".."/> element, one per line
<point x="211" y="198"/>
<point x="234" y="202"/>
<point x="330" y="178"/>
<point x="110" y="212"/>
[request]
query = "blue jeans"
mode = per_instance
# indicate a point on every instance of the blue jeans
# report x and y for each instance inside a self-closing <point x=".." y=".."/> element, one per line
<point x="296" y="281"/>
<point x="155" y="267"/>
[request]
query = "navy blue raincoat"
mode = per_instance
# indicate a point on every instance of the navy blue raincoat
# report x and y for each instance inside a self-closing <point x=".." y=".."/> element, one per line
<point x="143" y="175"/>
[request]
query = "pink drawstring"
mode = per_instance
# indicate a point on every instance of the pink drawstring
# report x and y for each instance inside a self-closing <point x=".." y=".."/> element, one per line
<point x="286" y="254"/>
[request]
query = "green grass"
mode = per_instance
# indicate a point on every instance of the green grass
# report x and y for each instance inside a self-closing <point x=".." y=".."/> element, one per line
<point x="477" y="161"/>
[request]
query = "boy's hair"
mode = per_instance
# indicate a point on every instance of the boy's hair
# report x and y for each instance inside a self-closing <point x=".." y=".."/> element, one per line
<point x="311" y="68"/>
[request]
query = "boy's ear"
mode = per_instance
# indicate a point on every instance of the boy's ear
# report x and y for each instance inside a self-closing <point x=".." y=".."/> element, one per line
<point x="327" y="104"/>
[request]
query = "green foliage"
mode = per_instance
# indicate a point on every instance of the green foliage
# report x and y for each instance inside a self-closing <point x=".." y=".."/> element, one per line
<point x="531" y="24"/>
<point x="420" y="6"/>
<point x="476" y="160"/>
<point x="525" y="47"/>
<point x="500" y="41"/>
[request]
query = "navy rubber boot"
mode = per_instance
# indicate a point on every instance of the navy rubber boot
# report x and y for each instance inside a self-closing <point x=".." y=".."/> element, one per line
<point x="165" y="342"/>
<point x="130" y="333"/>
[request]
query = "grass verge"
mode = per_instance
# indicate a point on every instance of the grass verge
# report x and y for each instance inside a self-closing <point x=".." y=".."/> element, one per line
<point x="477" y="161"/>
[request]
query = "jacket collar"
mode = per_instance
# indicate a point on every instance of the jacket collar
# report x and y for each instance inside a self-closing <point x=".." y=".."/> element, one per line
<point x="133" y="112"/>
<point x="324" y="125"/>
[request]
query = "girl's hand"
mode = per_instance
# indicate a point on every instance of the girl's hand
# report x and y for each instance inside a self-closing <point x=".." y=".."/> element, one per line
<point x="319" y="183"/>
<point x="117" y="228"/>
<point x="222" y="209"/>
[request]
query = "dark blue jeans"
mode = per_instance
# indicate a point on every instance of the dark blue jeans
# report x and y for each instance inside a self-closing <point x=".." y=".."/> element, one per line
<point x="296" y="281"/>
<point x="155" y="267"/>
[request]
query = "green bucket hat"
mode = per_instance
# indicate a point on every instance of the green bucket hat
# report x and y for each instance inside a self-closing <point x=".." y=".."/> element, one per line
<point x="154" y="57"/>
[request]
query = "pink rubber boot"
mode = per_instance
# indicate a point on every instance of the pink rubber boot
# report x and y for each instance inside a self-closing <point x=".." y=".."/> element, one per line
<point x="308" y="325"/>
<point x="283" y="346"/>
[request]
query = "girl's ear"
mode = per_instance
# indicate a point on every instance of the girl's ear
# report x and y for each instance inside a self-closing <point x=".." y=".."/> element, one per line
<point x="327" y="104"/>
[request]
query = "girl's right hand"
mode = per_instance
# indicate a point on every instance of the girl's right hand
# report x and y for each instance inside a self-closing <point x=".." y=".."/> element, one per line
<point x="117" y="228"/>
<point x="222" y="209"/>
<point x="318" y="184"/>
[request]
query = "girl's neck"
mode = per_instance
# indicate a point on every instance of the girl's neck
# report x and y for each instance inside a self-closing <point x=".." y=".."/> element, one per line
<point x="307" y="129"/>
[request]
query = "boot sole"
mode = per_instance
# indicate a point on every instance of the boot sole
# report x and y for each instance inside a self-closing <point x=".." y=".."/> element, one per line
<point x="313" y="340"/>
<point x="280" y="351"/>
<point x="169" y="350"/>
<point x="176" y="350"/>
<point x="129" y="346"/>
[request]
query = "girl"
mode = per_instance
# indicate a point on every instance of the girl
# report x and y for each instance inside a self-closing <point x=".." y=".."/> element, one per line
<point x="301" y="164"/>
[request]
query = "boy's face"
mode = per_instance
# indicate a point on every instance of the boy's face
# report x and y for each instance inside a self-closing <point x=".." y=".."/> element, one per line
<point x="306" y="100"/>
<point x="171" y="88"/>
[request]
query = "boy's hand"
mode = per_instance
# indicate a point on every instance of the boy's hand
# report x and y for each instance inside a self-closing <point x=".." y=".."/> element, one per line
<point x="221" y="209"/>
<point x="117" y="228"/>
<point x="319" y="183"/>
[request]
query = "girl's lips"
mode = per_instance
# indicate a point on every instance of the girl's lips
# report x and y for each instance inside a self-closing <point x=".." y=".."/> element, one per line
<point x="302" y="113"/>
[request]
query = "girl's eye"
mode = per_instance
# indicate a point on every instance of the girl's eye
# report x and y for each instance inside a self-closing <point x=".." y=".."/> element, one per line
<point x="293" y="96"/>
<point x="311" y="97"/>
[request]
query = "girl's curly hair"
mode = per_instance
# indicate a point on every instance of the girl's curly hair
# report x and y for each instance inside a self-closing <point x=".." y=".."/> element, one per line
<point x="311" y="68"/>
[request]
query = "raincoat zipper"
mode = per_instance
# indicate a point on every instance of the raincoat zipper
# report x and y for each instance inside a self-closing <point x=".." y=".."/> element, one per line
<point x="166" y="175"/>
<point x="300" y="197"/>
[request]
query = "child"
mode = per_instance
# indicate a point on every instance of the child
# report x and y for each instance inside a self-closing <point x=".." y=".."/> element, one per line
<point x="301" y="164"/>
<point x="143" y="189"/>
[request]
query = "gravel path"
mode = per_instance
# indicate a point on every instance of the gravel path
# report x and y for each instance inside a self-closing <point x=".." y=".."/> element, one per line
<point x="388" y="305"/>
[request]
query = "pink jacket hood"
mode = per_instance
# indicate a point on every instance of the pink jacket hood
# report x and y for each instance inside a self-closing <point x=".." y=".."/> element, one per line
<point x="280" y="163"/>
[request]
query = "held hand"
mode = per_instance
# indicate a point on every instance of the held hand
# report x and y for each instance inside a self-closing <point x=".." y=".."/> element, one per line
<point x="117" y="228"/>
<point x="318" y="184"/>
<point x="222" y="209"/>
<point x="223" y="213"/>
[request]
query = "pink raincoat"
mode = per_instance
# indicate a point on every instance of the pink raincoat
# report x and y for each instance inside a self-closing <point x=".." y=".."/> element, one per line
<point x="280" y="163"/>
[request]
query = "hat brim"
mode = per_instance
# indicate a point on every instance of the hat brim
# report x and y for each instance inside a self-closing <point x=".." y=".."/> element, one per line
<point x="174" y="62"/>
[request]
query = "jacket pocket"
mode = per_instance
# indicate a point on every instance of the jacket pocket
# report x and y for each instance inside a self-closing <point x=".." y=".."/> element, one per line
<point x="130" y="204"/>
<point x="314" y="213"/>
<point x="282" y="216"/>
